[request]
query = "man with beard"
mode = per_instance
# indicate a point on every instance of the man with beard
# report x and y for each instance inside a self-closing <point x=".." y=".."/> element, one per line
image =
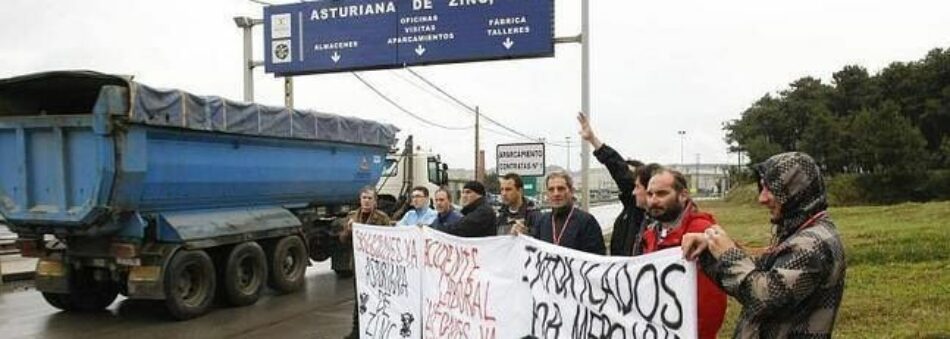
<point x="794" y="289"/>
<point x="566" y="225"/>
<point x="674" y="215"/>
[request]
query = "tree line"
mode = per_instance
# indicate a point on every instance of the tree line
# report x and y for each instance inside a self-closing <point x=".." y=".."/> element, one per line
<point x="895" y="121"/>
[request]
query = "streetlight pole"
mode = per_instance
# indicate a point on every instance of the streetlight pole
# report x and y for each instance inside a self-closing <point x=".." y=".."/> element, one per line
<point x="696" y="185"/>
<point x="567" y="141"/>
<point x="478" y="168"/>
<point x="682" y="140"/>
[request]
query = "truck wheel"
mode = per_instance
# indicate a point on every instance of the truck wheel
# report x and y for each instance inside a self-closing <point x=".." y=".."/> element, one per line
<point x="92" y="301"/>
<point x="189" y="284"/>
<point x="344" y="273"/>
<point x="343" y="262"/>
<point x="94" y="297"/>
<point x="386" y="203"/>
<point x="59" y="300"/>
<point x="244" y="274"/>
<point x="287" y="260"/>
<point x="86" y="294"/>
<point x="320" y="246"/>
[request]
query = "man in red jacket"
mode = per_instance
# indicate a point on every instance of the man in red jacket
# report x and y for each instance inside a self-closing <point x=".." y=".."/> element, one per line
<point x="674" y="215"/>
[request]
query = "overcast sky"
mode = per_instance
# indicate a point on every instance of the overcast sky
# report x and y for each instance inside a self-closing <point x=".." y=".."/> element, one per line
<point x="657" y="66"/>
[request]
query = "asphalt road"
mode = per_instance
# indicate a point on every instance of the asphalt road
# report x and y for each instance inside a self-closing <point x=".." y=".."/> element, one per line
<point x="323" y="310"/>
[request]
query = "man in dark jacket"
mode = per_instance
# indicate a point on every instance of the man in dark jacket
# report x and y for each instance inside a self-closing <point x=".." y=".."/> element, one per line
<point x="516" y="207"/>
<point x="643" y="175"/>
<point x="794" y="289"/>
<point x="566" y="225"/>
<point x="627" y="225"/>
<point x="369" y="215"/>
<point x="447" y="215"/>
<point x="479" y="217"/>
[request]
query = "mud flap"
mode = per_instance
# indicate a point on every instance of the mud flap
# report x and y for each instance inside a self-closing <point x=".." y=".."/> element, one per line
<point x="147" y="281"/>
<point x="52" y="276"/>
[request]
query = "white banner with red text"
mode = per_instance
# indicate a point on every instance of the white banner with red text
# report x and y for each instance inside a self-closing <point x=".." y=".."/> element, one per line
<point x="421" y="283"/>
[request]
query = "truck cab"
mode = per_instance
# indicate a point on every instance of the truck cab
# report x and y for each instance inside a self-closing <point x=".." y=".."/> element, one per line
<point x="402" y="170"/>
<point x="407" y="169"/>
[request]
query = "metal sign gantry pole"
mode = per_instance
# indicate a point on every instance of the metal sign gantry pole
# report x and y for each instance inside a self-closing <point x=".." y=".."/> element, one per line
<point x="246" y="24"/>
<point x="585" y="101"/>
<point x="584" y="40"/>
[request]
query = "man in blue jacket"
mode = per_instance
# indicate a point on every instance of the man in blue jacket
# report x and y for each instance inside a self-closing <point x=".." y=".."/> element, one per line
<point x="421" y="213"/>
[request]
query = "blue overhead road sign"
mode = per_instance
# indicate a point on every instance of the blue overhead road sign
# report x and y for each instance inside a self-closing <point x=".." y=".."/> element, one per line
<point x="344" y="35"/>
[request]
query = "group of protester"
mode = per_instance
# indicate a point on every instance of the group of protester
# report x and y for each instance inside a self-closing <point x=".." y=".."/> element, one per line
<point x="791" y="289"/>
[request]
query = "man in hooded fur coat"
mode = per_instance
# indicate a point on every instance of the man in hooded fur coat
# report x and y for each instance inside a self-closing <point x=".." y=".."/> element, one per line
<point x="794" y="289"/>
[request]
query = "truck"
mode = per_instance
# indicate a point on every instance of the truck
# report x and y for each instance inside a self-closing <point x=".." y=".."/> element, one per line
<point x="403" y="170"/>
<point x="165" y="195"/>
<point x="412" y="167"/>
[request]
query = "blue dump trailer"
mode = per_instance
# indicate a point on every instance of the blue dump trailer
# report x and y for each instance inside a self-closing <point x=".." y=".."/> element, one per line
<point x="165" y="195"/>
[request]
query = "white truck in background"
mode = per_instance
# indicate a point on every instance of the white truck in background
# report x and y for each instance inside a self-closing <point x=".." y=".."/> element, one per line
<point x="403" y="170"/>
<point x="407" y="169"/>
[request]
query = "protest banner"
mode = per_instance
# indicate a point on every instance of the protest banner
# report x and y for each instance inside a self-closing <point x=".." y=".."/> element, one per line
<point x="388" y="280"/>
<point x="470" y="286"/>
<point x="516" y="287"/>
<point x="580" y="295"/>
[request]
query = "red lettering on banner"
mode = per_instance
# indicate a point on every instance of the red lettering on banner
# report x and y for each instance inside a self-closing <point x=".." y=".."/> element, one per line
<point x="461" y="293"/>
<point x="387" y="248"/>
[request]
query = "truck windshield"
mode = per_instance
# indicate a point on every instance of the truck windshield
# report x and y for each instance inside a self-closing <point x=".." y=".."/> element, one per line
<point x="389" y="168"/>
<point x="434" y="175"/>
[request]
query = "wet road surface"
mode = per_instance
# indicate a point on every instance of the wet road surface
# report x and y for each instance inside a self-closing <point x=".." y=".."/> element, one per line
<point x="322" y="310"/>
